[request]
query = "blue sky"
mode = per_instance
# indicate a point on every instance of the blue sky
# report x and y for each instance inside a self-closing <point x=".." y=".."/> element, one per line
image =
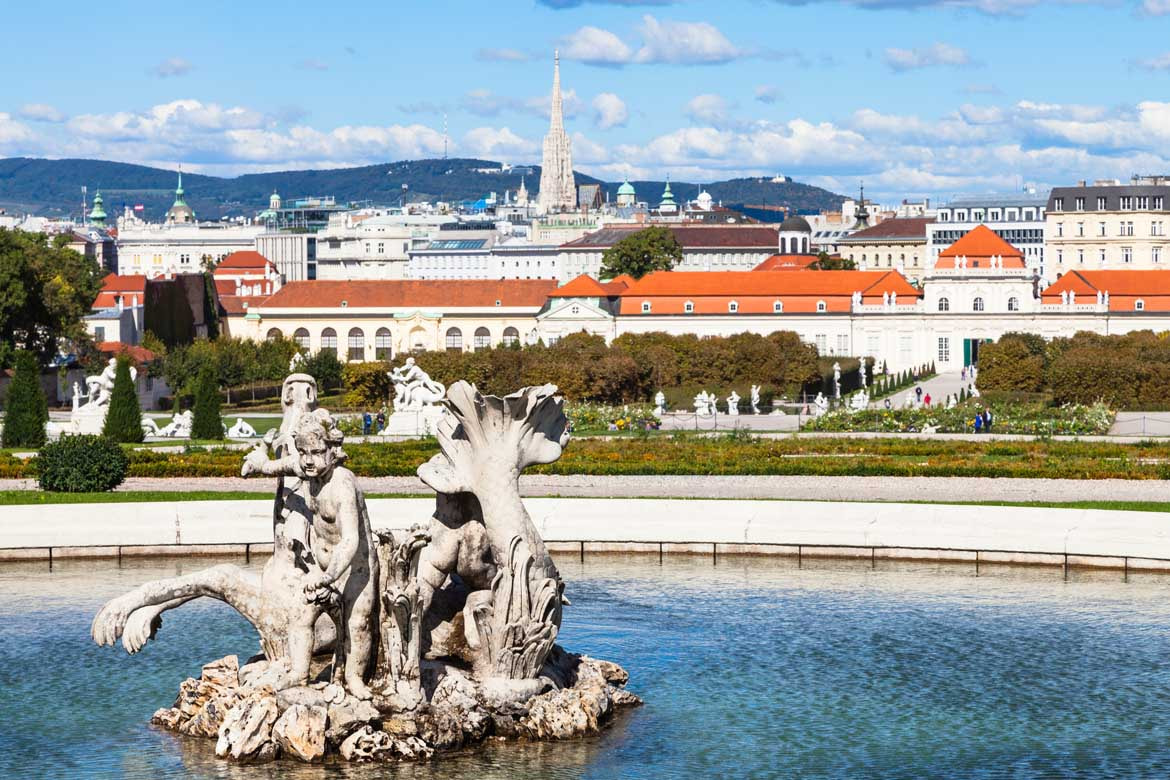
<point x="915" y="97"/>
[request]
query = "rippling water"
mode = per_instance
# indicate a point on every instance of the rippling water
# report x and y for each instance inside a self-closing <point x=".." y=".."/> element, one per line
<point x="751" y="668"/>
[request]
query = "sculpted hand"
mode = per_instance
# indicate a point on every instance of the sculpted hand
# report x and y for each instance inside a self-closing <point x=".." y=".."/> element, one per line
<point x="317" y="588"/>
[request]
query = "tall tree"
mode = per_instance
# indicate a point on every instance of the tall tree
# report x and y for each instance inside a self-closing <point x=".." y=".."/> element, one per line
<point x="206" y="422"/>
<point x="652" y="249"/>
<point x="45" y="290"/>
<point x="124" y="417"/>
<point x="25" y="409"/>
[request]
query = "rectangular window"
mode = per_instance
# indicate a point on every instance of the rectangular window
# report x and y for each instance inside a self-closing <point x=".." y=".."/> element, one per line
<point x="1156" y="254"/>
<point x="1080" y="204"/>
<point x="1127" y="203"/>
<point x="1101" y="256"/>
<point x="1143" y="203"/>
<point x="1060" y="256"/>
<point x="1059" y="229"/>
<point x="1100" y="203"/>
<point x="1058" y="204"/>
<point x="1127" y="254"/>
<point x="1081" y="256"/>
<point x="871" y="343"/>
<point x="1101" y="228"/>
<point x="99" y="334"/>
<point x="822" y="344"/>
<point x="842" y="343"/>
<point x="944" y="349"/>
<point x="1080" y="228"/>
<point x="1157" y="203"/>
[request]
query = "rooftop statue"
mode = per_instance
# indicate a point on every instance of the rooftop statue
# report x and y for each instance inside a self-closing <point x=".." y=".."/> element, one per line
<point x="447" y="629"/>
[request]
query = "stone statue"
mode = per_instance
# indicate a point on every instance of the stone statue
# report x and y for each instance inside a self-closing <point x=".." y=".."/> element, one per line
<point x="733" y="403"/>
<point x="150" y="427"/>
<point x="859" y="401"/>
<point x="910" y="399"/>
<point x="820" y="405"/>
<point x="179" y="427"/>
<point x="659" y="404"/>
<point x="413" y="387"/>
<point x="295" y="362"/>
<point x="99" y="387"/>
<point x="703" y="404"/>
<point x="837" y="380"/>
<point x="755" y="399"/>
<point x="447" y="631"/>
<point x="951" y="401"/>
<point x="861" y="370"/>
<point x="241" y="430"/>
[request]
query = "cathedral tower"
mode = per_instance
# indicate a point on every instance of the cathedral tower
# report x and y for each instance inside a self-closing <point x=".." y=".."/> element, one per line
<point x="557" y="189"/>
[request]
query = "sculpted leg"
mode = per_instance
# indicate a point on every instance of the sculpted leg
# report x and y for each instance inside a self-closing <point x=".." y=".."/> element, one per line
<point x="359" y="631"/>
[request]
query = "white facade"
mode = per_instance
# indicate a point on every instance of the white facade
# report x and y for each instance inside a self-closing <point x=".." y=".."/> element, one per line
<point x="1018" y="218"/>
<point x="374" y="246"/>
<point x="159" y="250"/>
<point x="293" y="254"/>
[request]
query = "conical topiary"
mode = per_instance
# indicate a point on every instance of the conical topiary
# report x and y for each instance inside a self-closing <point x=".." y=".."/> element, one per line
<point x="205" y="420"/>
<point x="25" y="409"/>
<point x="124" y="417"/>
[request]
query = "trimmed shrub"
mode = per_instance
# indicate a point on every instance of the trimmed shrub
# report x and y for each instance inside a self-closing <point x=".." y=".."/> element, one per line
<point x="25" y="410"/>
<point x="366" y="384"/>
<point x="124" y="417"/>
<point x="81" y="464"/>
<point x="325" y="368"/>
<point x="206" y="422"/>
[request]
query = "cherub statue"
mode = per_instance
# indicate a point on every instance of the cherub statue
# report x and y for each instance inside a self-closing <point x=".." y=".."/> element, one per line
<point x="340" y="538"/>
<point x="755" y="399"/>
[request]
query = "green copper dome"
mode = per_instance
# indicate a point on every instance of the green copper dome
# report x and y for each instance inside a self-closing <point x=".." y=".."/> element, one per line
<point x="668" y="196"/>
<point x="97" y="215"/>
<point x="626" y="188"/>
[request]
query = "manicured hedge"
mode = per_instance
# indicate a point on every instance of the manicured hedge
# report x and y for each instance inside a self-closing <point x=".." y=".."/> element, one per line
<point x="81" y="464"/>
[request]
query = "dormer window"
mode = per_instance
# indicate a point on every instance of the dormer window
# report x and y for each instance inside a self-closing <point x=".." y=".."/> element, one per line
<point x="732" y="307"/>
<point x="689" y="307"/>
<point x="645" y="307"/>
<point x="821" y="306"/>
<point x="777" y="307"/>
<point x="1139" y="305"/>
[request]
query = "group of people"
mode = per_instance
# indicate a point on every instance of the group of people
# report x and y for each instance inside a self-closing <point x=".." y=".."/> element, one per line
<point x="369" y="420"/>
<point x="983" y="421"/>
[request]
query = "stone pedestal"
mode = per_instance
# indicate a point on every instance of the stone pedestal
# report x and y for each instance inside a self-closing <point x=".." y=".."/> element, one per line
<point x="88" y="419"/>
<point x="413" y="422"/>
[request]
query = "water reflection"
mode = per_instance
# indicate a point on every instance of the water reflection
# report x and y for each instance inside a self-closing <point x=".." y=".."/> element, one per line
<point x="753" y="667"/>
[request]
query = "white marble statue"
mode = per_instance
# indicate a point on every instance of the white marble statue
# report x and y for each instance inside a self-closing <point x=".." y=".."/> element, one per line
<point x="241" y="430"/>
<point x="837" y="380"/>
<point x="659" y="403"/>
<point x="295" y="362"/>
<point x="414" y="388"/>
<point x="150" y="427"/>
<point x="910" y="400"/>
<point x="951" y="401"/>
<point x="861" y="370"/>
<point x="179" y="427"/>
<point x="441" y="629"/>
<point x="859" y="401"/>
<point x="733" y="403"/>
<point x="974" y="391"/>
<point x="755" y="399"/>
<point x="820" y="405"/>
<point x="100" y="386"/>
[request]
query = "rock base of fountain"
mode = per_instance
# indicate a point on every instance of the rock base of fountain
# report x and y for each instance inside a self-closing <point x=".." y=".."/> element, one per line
<point x="251" y="721"/>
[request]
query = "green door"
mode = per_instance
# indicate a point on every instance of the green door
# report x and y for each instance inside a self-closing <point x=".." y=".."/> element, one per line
<point x="966" y="352"/>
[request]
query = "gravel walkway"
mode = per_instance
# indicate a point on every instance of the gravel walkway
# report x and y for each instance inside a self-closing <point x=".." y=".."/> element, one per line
<point x="940" y="489"/>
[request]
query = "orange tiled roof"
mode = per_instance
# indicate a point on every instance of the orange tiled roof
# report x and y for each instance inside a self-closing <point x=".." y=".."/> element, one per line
<point x="125" y="287"/>
<point x="756" y="292"/>
<point x="786" y="263"/>
<point x="978" y="245"/>
<point x="245" y="260"/>
<point x="584" y="286"/>
<point x="625" y="280"/>
<point x="137" y="354"/>
<point x="412" y="293"/>
<point x="1125" y="288"/>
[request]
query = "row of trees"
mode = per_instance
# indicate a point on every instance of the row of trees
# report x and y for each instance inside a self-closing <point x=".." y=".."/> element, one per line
<point x="632" y="368"/>
<point x="1126" y="372"/>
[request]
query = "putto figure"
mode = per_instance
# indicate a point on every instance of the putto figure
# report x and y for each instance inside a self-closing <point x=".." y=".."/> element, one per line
<point x="413" y="387"/>
<point x="396" y="643"/>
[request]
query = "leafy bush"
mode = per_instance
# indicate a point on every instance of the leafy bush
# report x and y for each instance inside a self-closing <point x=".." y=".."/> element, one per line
<point x="206" y="422"/>
<point x="325" y="368"/>
<point x="26" y="411"/>
<point x="81" y="464"/>
<point x="124" y="417"/>
<point x="595" y="418"/>
<point x="366" y="384"/>
<point x="1028" y="419"/>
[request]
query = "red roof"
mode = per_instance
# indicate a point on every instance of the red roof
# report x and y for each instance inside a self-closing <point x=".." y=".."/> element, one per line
<point x="978" y="245"/>
<point x="1125" y="288"/>
<point x="585" y="286"/>
<point x="756" y="292"/>
<point x="786" y="263"/>
<point x="124" y="287"/>
<point x="137" y="354"/>
<point x="905" y="228"/>
<point x="689" y="236"/>
<point x="245" y="260"/>
<point x="414" y="294"/>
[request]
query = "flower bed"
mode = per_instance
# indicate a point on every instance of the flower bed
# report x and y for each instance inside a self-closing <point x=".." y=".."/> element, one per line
<point x="598" y="418"/>
<point x="1027" y="419"/>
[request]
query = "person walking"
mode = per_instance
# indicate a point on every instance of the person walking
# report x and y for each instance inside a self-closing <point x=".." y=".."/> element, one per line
<point x="979" y="422"/>
<point x="987" y="421"/>
<point x="381" y="418"/>
<point x="918" y="392"/>
<point x="926" y="399"/>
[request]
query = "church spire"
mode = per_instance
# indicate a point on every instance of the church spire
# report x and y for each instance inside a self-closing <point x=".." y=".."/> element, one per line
<point x="558" y="191"/>
<point x="557" y="119"/>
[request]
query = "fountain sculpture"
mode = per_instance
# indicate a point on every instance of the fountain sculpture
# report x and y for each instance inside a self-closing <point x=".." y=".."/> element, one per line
<point x="389" y="644"/>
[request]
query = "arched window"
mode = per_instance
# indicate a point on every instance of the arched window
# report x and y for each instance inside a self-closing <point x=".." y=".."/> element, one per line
<point x="482" y="339"/>
<point x="783" y="245"/>
<point x="804" y="245"/>
<point x="454" y="340"/>
<point x="1013" y="304"/>
<point x="777" y="307"/>
<point x="274" y="334"/>
<point x="1139" y="305"/>
<point x="821" y="306"/>
<point x="944" y="304"/>
<point x="357" y="344"/>
<point x="977" y="304"/>
<point x="511" y="337"/>
<point x="382" y="348"/>
<point x="689" y="307"/>
<point x="329" y="339"/>
<point x="301" y="337"/>
<point x="732" y="307"/>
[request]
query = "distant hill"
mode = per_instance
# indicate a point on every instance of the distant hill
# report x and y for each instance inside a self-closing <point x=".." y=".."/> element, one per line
<point x="53" y="187"/>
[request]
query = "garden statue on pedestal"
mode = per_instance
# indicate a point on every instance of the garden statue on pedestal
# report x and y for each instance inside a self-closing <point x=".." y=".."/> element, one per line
<point x="755" y="399"/>
<point x="837" y="381"/>
<point x="704" y="404"/>
<point x="416" y="401"/>
<point x="241" y="430"/>
<point x="733" y="403"/>
<point x="659" y="404"/>
<point x="820" y="405"/>
<point x="178" y="428"/>
<point x="447" y="631"/>
<point x="90" y="417"/>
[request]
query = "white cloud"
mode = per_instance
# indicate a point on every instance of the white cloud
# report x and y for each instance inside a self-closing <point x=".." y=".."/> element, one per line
<point x="1161" y="62"/>
<point x="709" y="108"/>
<point x="609" y="110"/>
<point x="1156" y="7"/>
<point x="41" y="112"/>
<point x="767" y="93"/>
<point x="935" y="55"/>
<point x="14" y="134"/>
<point x="662" y="42"/>
<point x="484" y="102"/>
<point x="595" y="46"/>
<point x="502" y="55"/>
<point x="497" y="144"/>
<point x="684" y="43"/>
<point x="175" y="66"/>
<point x="586" y="151"/>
